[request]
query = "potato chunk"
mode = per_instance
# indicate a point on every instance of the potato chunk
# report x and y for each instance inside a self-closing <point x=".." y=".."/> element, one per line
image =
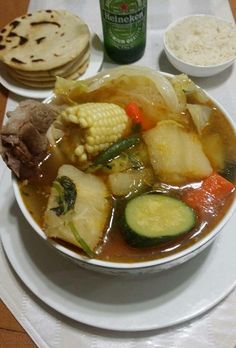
<point x="176" y="155"/>
<point x="123" y="184"/>
<point x="89" y="214"/>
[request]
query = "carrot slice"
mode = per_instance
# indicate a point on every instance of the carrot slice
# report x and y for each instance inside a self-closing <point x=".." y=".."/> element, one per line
<point x="218" y="186"/>
<point x="135" y="113"/>
<point x="210" y="196"/>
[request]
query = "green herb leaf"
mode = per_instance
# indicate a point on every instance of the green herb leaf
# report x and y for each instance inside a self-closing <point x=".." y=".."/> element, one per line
<point x="80" y="240"/>
<point x="67" y="193"/>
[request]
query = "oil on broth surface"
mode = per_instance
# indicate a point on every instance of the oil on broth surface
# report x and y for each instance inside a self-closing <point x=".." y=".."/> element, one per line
<point x="35" y="195"/>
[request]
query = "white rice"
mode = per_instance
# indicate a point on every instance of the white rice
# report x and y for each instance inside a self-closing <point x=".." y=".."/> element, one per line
<point x="202" y="40"/>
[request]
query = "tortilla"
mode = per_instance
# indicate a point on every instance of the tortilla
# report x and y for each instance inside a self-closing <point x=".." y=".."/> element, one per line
<point x="63" y="72"/>
<point x="56" y="71"/>
<point x="43" y="40"/>
<point x="50" y="83"/>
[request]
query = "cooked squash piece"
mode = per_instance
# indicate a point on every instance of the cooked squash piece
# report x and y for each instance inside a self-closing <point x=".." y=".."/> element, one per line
<point x="155" y="218"/>
<point x="214" y="149"/>
<point x="84" y="222"/>
<point x="194" y="94"/>
<point x="200" y="115"/>
<point x="178" y="83"/>
<point x="176" y="155"/>
<point x="122" y="184"/>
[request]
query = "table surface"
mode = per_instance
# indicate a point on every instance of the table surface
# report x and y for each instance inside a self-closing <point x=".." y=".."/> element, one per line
<point x="11" y="332"/>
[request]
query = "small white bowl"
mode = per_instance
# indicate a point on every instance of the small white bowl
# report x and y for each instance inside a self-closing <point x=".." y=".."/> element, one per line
<point x="189" y="68"/>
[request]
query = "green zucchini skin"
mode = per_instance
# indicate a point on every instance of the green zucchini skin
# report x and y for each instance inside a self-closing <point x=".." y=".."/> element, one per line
<point x="137" y="237"/>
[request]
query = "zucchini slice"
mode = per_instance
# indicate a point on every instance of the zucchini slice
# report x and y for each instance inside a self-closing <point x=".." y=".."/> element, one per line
<point x="154" y="218"/>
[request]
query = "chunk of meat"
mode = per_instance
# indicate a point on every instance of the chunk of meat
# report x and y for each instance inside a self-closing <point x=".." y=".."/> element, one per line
<point x="23" y="139"/>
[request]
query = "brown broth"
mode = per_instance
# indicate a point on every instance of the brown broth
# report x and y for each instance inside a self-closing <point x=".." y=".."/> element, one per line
<point x="114" y="247"/>
<point x="36" y="192"/>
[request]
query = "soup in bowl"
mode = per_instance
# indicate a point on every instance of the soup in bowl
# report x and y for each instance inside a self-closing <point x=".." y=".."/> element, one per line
<point x="138" y="174"/>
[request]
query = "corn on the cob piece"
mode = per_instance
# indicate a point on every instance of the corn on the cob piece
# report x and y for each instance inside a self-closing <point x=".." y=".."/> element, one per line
<point x="102" y="124"/>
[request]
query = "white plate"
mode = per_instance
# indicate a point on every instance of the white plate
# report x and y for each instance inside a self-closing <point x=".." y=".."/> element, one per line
<point x="136" y="304"/>
<point x="95" y="63"/>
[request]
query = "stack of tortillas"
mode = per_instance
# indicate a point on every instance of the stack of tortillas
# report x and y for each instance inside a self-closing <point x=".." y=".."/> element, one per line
<point x="37" y="47"/>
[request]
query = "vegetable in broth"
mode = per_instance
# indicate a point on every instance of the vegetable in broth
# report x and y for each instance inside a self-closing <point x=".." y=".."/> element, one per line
<point x="180" y="151"/>
<point x="153" y="218"/>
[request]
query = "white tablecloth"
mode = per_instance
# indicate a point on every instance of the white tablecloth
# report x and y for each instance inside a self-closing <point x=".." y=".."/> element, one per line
<point x="217" y="328"/>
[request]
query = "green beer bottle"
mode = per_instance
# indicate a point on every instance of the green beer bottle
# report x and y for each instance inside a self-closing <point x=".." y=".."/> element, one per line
<point x="124" y="29"/>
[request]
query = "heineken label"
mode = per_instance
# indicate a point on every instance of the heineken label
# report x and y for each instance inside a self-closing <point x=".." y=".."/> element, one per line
<point x="123" y="19"/>
<point x="124" y="22"/>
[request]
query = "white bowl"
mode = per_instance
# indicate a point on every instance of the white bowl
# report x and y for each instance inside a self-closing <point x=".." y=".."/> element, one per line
<point x="122" y="268"/>
<point x="189" y="68"/>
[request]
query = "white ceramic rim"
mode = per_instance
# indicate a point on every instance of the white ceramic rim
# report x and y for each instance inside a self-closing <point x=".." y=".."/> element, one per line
<point x="190" y="65"/>
<point x="125" y="265"/>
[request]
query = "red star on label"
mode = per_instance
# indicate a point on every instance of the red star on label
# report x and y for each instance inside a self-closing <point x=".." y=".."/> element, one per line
<point x="124" y="6"/>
